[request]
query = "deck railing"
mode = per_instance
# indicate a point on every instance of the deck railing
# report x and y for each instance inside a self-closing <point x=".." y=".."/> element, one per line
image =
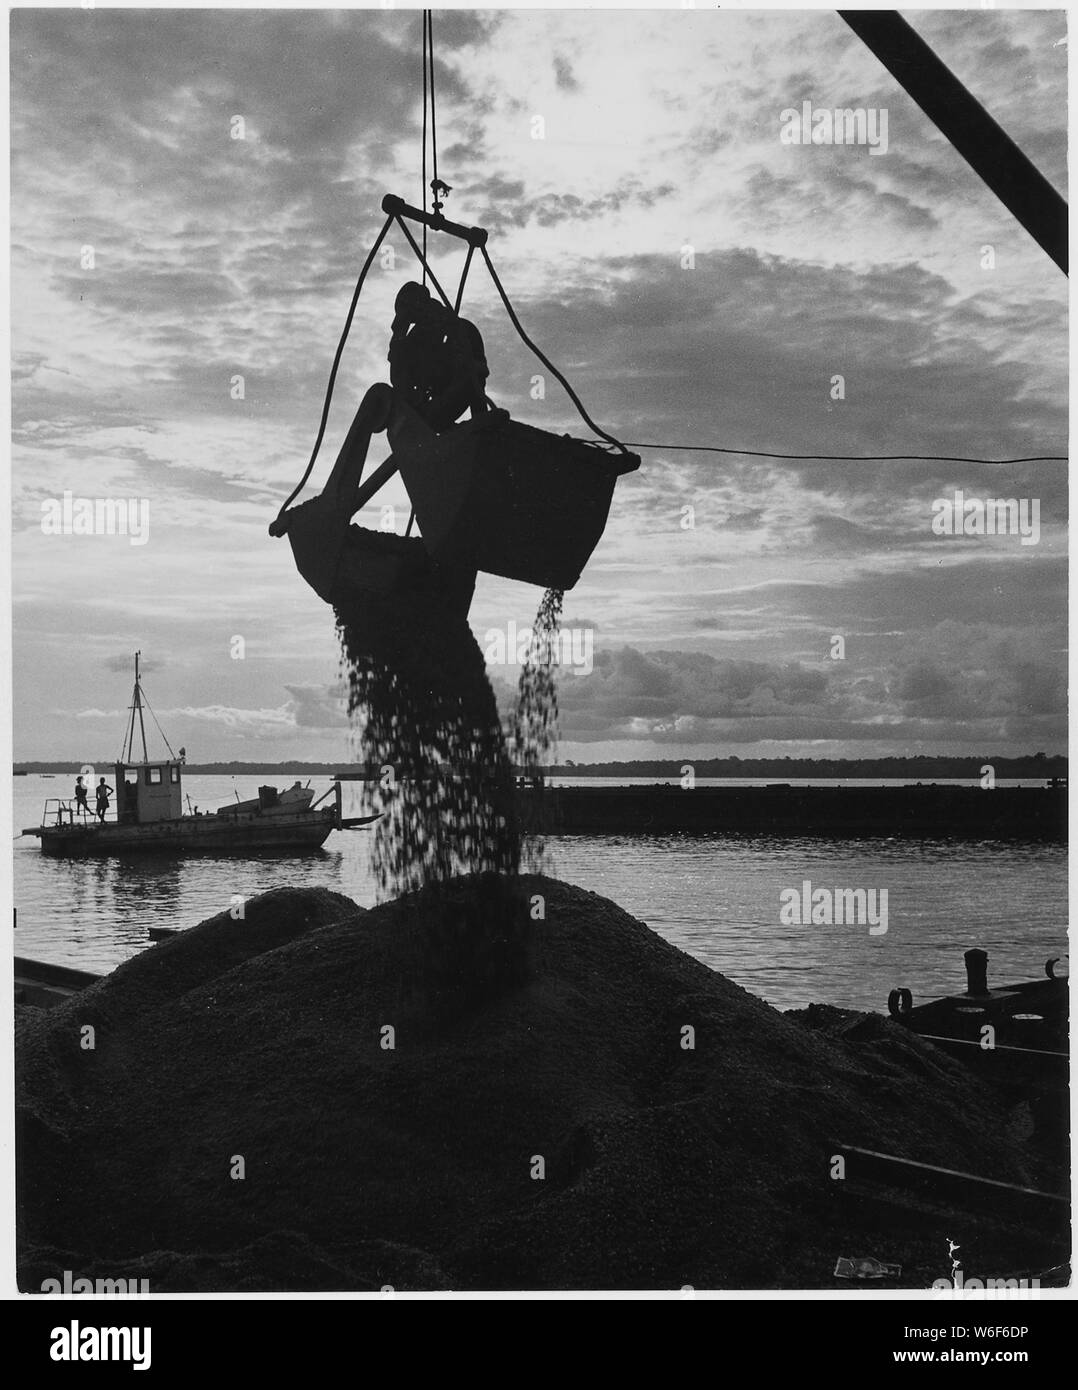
<point x="61" y="811"/>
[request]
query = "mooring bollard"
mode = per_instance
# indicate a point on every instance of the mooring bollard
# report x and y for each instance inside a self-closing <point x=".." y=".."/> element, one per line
<point x="976" y="972"/>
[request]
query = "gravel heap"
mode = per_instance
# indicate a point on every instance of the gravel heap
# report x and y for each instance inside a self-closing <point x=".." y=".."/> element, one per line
<point x="415" y="1165"/>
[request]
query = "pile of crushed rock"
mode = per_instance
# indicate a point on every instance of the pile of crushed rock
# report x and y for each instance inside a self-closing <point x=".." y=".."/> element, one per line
<point x="486" y="1084"/>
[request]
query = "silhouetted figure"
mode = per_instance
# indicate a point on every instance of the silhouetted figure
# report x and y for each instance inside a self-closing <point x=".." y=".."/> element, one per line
<point x="103" y="794"/>
<point x="82" y="805"/>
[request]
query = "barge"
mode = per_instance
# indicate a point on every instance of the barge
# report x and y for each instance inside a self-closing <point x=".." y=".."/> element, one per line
<point x="923" y="811"/>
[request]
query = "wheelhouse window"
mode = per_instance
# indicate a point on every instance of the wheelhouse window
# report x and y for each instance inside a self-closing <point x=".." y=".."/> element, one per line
<point x="174" y="774"/>
<point x="131" y="776"/>
<point x="153" y="776"/>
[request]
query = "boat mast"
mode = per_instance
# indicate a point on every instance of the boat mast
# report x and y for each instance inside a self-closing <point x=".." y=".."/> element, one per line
<point x="136" y="707"/>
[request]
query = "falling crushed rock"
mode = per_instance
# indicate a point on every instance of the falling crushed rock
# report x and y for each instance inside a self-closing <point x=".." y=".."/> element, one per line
<point x="535" y="720"/>
<point x="428" y="720"/>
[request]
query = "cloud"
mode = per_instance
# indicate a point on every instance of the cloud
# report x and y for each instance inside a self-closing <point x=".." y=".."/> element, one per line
<point x="987" y="677"/>
<point x="563" y="73"/>
<point x="502" y="203"/>
<point x="956" y="671"/>
<point x="319" y="707"/>
<point x="661" y="694"/>
<point x="219" y="260"/>
<point x="125" y="662"/>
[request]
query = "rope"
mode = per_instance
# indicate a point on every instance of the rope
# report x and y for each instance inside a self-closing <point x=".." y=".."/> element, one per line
<point x="333" y="371"/>
<point x="546" y="360"/>
<point x="463" y="277"/>
<point x="415" y="247"/>
<point x="159" y="728"/>
<point x="129" y="735"/>
<point x="850" y="458"/>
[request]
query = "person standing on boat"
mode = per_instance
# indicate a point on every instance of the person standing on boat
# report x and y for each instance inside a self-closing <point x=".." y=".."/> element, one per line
<point x="103" y="794"/>
<point x="82" y="806"/>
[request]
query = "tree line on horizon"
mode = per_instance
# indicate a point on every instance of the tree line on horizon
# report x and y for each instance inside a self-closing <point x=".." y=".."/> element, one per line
<point x="917" y="765"/>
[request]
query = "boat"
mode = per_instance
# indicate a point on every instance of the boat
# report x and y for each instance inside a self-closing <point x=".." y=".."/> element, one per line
<point x="1027" y="1022"/>
<point x="1013" y="1036"/>
<point x="149" y="815"/>
<point x="44" y="985"/>
<point x="271" y="802"/>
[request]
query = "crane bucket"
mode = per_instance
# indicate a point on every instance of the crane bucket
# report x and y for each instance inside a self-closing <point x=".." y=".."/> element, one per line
<point x="346" y="564"/>
<point x="496" y="495"/>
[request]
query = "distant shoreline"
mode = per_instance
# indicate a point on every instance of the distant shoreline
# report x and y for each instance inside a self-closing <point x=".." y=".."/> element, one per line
<point x="1037" y="765"/>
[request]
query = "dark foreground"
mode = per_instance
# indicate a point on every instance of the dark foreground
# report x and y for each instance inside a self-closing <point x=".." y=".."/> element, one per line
<point x="539" y="1122"/>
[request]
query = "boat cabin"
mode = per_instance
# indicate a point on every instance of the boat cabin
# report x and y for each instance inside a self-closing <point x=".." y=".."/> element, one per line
<point x="148" y="791"/>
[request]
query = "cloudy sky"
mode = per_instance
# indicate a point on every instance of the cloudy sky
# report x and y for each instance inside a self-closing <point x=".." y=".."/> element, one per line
<point x="215" y="257"/>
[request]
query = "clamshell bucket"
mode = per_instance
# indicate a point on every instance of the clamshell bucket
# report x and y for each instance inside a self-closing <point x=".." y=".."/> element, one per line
<point x="349" y="566"/>
<point x="496" y="495"/>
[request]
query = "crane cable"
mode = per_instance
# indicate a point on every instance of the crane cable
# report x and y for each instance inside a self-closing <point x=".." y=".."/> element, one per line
<point x="435" y="185"/>
<point x="546" y="360"/>
<point x="428" y="76"/>
<point x="848" y="458"/>
<point x="428" y="80"/>
<point x="429" y="100"/>
<point x="433" y="111"/>
<point x="428" y="87"/>
<point x="423" y="174"/>
<point x="333" y="377"/>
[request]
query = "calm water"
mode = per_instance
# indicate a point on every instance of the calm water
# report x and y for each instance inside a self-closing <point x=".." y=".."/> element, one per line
<point x="717" y="899"/>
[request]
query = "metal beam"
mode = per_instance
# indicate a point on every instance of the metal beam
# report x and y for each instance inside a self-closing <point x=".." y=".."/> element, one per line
<point x="989" y="150"/>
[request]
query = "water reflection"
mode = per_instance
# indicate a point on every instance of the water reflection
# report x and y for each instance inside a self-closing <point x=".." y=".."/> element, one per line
<point x="718" y="899"/>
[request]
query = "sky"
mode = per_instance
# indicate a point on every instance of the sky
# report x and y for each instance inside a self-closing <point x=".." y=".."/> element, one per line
<point x="698" y="279"/>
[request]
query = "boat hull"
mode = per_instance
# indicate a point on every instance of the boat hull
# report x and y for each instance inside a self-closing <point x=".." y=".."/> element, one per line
<point x="193" y="835"/>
